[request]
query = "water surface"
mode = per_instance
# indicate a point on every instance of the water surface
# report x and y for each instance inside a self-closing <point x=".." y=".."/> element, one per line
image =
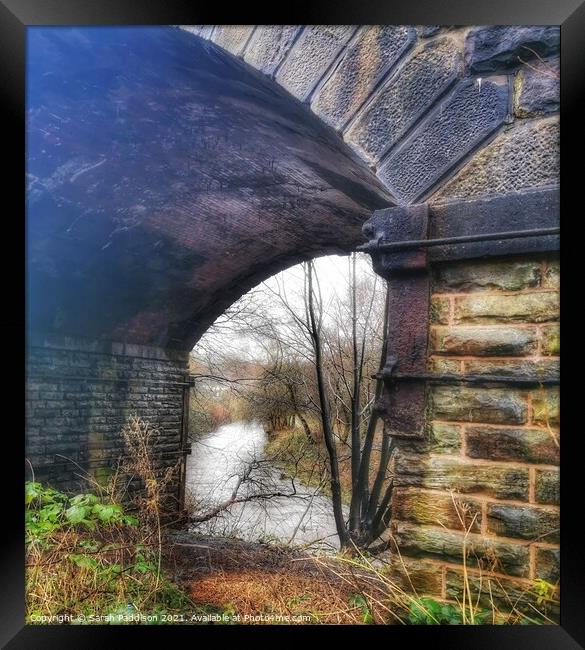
<point x="213" y="470"/>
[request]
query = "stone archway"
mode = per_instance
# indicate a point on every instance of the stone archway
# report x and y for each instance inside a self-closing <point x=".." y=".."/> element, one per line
<point x="166" y="178"/>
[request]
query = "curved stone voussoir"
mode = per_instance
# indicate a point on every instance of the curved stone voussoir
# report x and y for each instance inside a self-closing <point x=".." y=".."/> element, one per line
<point x="365" y="62"/>
<point x="204" y="31"/>
<point x="523" y="157"/>
<point x="404" y="98"/>
<point x="310" y="58"/>
<point x="457" y="126"/>
<point x="232" y="38"/>
<point x="269" y="46"/>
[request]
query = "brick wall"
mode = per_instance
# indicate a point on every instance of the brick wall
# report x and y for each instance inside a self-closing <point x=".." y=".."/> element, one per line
<point x="80" y="394"/>
<point x="490" y="464"/>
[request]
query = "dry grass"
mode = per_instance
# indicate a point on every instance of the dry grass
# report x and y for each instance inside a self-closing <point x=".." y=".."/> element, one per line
<point x="255" y="579"/>
<point x="107" y="562"/>
<point x="188" y="574"/>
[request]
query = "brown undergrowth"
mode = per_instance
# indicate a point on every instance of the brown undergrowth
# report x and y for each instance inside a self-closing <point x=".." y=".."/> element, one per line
<point x="255" y="580"/>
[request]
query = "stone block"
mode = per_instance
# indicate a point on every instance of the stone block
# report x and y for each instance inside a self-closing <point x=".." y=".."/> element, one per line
<point x="459" y="124"/>
<point x="441" y="472"/>
<point x="522" y="157"/>
<point x="503" y="594"/>
<point x="523" y="368"/>
<point x="551" y="340"/>
<point x="437" y="509"/>
<point x="503" y="275"/>
<point x="546" y="407"/>
<point x="440" y="310"/>
<point x="449" y="546"/>
<point x="404" y="98"/>
<point x="552" y="275"/>
<point x="486" y="405"/>
<point x="524" y="522"/>
<point x="232" y="38"/>
<point x="539" y="307"/>
<point x="444" y="365"/>
<point x="310" y="58"/>
<point x="501" y="48"/>
<point x="365" y="62"/>
<point x="425" y="577"/>
<point x="547" y="564"/>
<point x="524" y="445"/>
<point x="537" y="91"/>
<point x="547" y="486"/>
<point x="192" y="29"/>
<point x="204" y="31"/>
<point x="484" y="341"/>
<point x="269" y="45"/>
<point x="444" y="438"/>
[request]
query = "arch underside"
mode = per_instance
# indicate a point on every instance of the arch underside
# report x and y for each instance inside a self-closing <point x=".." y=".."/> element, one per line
<point x="165" y="179"/>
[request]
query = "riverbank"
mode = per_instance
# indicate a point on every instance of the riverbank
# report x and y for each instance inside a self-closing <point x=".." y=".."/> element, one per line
<point x="235" y="581"/>
<point x="295" y="455"/>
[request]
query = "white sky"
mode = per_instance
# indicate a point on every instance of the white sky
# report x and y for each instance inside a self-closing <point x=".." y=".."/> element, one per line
<point x="332" y="271"/>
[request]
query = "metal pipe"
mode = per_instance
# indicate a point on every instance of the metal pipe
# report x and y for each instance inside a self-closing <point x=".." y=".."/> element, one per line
<point x="462" y="239"/>
<point x="469" y="379"/>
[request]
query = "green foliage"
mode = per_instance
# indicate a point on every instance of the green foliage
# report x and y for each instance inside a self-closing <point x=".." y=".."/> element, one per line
<point x="97" y="558"/>
<point x="359" y="601"/>
<point x="426" y="611"/>
<point x="545" y="591"/>
<point x="48" y="511"/>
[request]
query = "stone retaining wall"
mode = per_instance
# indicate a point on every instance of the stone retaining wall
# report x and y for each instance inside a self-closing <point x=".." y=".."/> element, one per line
<point x="79" y="396"/>
<point x="488" y="478"/>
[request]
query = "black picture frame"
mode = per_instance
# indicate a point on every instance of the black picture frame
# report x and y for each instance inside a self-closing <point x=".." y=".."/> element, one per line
<point x="15" y="17"/>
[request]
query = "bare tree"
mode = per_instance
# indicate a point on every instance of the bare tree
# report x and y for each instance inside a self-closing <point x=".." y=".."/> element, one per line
<point x="313" y="362"/>
<point x="369" y="509"/>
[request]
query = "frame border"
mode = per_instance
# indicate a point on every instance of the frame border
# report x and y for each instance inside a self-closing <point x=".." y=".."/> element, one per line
<point x="15" y="17"/>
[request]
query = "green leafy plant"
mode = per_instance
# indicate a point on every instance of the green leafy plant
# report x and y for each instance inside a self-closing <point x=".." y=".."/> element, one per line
<point x="545" y="591"/>
<point x="358" y="601"/>
<point x="48" y="511"/>
<point x="85" y="554"/>
<point x="427" y="611"/>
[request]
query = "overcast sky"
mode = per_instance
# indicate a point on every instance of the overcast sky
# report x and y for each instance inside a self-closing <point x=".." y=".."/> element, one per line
<point x="333" y="272"/>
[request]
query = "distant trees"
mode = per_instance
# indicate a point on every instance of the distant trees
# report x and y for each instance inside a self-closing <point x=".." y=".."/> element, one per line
<point x="309" y="363"/>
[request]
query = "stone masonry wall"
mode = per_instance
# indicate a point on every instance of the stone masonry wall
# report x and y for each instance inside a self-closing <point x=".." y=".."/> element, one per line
<point x="443" y="111"/>
<point x="80" y="394"/>
<point x="490" y="466"/>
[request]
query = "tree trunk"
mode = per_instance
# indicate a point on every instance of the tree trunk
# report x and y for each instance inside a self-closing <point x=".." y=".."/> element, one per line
<point x="326" y="418"/>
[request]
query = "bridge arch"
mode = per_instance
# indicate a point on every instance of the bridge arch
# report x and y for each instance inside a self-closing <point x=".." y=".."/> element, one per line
<point x="169" y="172"/>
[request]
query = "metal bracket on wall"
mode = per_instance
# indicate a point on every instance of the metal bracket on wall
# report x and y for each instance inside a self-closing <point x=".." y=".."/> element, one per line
<point x="402" y="404"/>
<point x="403" y="241"/>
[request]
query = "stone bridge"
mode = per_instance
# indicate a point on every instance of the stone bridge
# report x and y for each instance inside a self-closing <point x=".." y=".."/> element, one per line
<point x="172" y="169"/>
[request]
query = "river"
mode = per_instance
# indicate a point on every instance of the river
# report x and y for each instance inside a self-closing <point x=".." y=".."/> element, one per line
<point x="213" y="468"/>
